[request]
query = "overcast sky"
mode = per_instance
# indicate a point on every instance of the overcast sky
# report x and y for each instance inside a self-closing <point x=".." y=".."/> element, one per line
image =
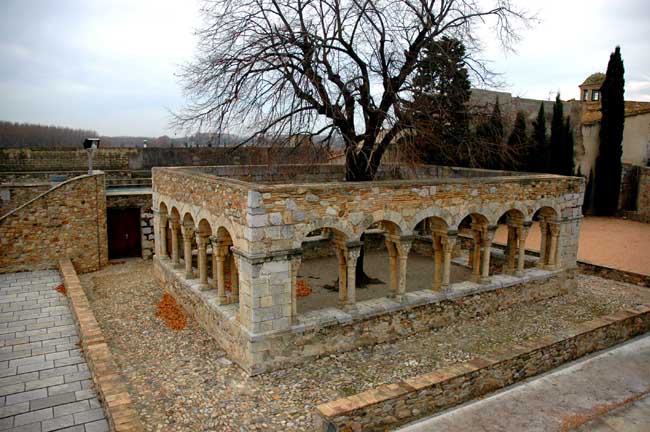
<point x="110" y="65"/>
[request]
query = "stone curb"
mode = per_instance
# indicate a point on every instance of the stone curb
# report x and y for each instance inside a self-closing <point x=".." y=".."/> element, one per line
<point x="109" y="383"/>
<point x="391" y="405"/>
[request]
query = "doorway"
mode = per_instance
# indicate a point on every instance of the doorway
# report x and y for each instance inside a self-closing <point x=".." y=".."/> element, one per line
<point x="124" y="238"/>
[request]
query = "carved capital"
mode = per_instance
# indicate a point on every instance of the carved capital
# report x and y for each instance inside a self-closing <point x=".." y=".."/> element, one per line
<point x="188" y="232"/>
<point x="352" y="256"/>
<point x="554" y="227"/>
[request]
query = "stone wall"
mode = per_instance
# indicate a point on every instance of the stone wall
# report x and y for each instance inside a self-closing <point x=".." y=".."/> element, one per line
<point x="68" y="220"/>
<point x="13" y="195"/>
<point x="392" y="405"/>
<point x="643" y="195"/>
<point x="142" y="202"/>
<point x="381" y="320"/>
<point x="146" y="158"/>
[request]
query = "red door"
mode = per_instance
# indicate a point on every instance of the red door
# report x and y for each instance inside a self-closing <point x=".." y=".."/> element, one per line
<point x="124" y="233"/>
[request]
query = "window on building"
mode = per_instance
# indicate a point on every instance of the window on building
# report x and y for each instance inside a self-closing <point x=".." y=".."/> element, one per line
<point x="595" y="95"/>
<point x="585" y="94"/>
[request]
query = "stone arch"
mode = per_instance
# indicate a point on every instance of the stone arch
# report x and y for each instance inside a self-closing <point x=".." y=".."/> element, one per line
<point x="393" y="220"/>
<point x="514" y="214"/>
<point x="204" y="228"/>
<point x="162" y="208"/>
<point x="331" y="223"/>
<point x="547" y="208"/>
<point x="479" y="214"/>
<point x="174" y="214"/>
<point x="435" y="212"/>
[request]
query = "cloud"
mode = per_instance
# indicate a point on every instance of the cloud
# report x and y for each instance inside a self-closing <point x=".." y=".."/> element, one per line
<point x="110" y="65"/>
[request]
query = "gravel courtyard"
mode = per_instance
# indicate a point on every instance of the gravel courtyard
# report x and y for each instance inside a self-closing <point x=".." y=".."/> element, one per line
<point x="181" y="380"/>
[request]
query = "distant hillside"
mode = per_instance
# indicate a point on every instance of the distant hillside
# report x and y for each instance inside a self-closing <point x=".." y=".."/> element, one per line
<point x="32" y="135"/>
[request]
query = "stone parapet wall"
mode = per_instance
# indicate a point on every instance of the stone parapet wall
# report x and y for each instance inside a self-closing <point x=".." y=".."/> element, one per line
<point x="107" y="158"/>
<point x="392" y="405"/>
<point x="109" y="382"/>
<point x="67" y="220"/>
<point x="615" y="274"/>
<point x="13" y="195"/>
<point x="643" y="195"/>
<point x="333" y="330"/>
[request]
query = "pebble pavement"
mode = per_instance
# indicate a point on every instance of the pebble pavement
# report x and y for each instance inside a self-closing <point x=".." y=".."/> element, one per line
<point x="182" y="380"/>
<point x="44" y="380"/>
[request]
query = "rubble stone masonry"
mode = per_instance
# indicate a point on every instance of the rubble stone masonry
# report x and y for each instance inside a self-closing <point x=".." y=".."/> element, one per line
<point x="258" y="217"/>
<point x="67" y="220"/>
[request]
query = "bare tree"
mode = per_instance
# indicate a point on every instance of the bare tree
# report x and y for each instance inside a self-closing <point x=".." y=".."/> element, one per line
<point x="324" y="67"/>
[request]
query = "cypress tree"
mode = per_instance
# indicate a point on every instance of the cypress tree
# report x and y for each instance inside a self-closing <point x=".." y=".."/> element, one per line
<point x="490" y="134"/>
<point x="538" y="156"/>
<point x="558" y="134"/>
<point x="517" y="140"/>
<point x="608" y="163"/>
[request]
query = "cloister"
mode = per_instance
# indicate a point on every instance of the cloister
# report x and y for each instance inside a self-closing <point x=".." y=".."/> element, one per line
<point x="231" y="242"/>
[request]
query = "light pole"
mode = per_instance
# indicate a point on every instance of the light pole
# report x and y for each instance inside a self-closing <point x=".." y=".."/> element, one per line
<point x="91" y="145"/>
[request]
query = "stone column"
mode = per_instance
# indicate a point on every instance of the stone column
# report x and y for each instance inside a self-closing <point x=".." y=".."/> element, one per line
<point x="343" y="278"/>
<point x="295" y="265"/>
<point x="512" y="248"/>
<point x="392" y="266"/>
<point x="403" y="247"/>
<point x="234" y="279"/>
<point x="352" y="255"/>
<point x="188" y="233"/>
<point x="554" y="228"/>
<point x="202" y="246"/>
<point x="161" y="241"/>
<point x="477" y="234"/>
<point x="487" y="246"/>
<point x="438" y="258"/>
<point x="447" y="242"/>
<point x="521" y="259"/>
<point x="176" y="260"/>
<point x="214" y="242"/>
<point x="543" y="226"/>
<point x="219" y="252"/>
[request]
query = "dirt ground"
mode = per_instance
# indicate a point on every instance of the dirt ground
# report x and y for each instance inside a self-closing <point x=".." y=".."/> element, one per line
<point x="320" y="272"/>
<point x="612" y="242"/>
<point x="183" y="381"/>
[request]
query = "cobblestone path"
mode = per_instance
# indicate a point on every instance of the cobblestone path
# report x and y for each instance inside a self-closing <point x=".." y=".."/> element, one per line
<point x="44" y="380"/>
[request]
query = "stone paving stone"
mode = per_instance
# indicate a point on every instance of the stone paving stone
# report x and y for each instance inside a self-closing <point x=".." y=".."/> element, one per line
<point x="58" y="423"/>
<point x="64" y="388"/>
<point x="33" y="417"/>
<point x="44" y="380"/>
<point x="97" y="426"/>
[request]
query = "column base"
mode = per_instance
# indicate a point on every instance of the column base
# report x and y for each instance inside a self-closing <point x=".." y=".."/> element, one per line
<point x="350" y="307"/>
<point x="178" y="266"/>
<point x="475" y="278"/>
<point x="519" y="273"/>
<point x="223" y="300"/>
<point x="484" y="279"/>
<point x="204" y="287"/>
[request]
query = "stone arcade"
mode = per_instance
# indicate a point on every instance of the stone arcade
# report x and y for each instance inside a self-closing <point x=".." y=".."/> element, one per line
<point x="229" y="243"/>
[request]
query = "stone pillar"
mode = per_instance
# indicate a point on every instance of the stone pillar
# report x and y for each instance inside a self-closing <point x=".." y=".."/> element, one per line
<point x="543" y="226"/>
<point x="352" y="255"/>
<point x="392" y="266"/>
<point x="214" y="242"/>
<point x="295" y="265"/>
<point x="554" y="229"/>
<point x="188" y="234"/>
<point x="521" y="258"/>
<point x="161" y="241"/>
<point x="403" y="247"/>
<point x="176" y="260"/>
<point x="343" y="278"/>
<point x="438" y="258"/>
<point x="487" y="246"/>
<point x="512" y="248"/>
<point x="447" y="242"/>
<point x="202" y="246"/>
<point x="219" y="252"/>
<point x="234" y="279"/>
<point x="477" y="234"/>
